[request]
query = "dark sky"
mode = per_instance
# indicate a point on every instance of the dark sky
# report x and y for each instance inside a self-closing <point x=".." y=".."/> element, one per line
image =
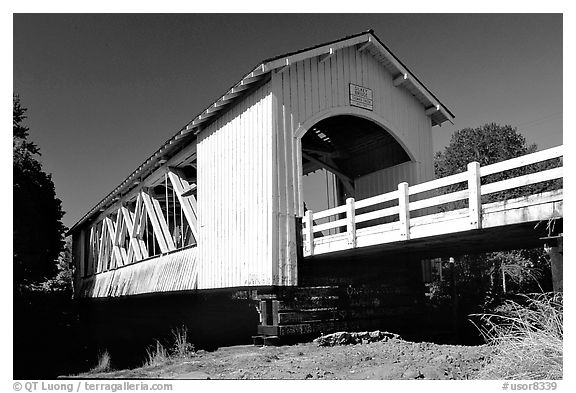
<point x="105" y="91"/>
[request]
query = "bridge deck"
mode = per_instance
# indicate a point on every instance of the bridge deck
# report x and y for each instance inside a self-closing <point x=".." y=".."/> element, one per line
<point x="464" y="220"/>
<point x="511" y="227"/>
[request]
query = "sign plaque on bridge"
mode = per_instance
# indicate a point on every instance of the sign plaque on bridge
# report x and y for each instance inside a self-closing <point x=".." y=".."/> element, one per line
<point x="361" y="97"/>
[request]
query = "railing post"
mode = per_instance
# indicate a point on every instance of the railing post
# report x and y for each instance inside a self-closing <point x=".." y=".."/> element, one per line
<point x="309" y="242"/>
<point x="351" y="222"/>
<point x="474" y="196"/>
<point x="404" y="211"/>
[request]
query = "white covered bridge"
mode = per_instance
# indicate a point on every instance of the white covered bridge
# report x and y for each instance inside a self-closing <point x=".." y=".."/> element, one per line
<point x="221" y="205"/>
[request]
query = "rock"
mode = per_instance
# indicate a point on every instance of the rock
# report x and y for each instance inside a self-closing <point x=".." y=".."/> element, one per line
<point x="346" y="338"/>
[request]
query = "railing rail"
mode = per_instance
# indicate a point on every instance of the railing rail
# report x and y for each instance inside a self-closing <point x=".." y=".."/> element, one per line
<point x="349" y="216"/>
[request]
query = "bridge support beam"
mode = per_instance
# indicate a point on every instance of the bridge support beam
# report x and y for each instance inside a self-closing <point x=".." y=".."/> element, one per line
<point x="556" y="261"/>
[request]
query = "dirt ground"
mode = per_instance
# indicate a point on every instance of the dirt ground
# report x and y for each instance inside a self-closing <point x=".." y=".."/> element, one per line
<point x="390" y="359"/>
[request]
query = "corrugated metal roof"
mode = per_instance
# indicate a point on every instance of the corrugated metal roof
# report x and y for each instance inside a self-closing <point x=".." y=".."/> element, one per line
<point x="259" y="75"/>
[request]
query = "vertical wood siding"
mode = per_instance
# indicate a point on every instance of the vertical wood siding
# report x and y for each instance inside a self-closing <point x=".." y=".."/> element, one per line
<point x="310" y="90"/>
<point x="235" y="195"/>
<point x="166" y="273"/>
<point x="248" y="163"/>
<point x="385" y="180"/>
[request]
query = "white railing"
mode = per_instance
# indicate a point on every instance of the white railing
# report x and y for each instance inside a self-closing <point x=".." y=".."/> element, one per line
<point x="401" y="226"/>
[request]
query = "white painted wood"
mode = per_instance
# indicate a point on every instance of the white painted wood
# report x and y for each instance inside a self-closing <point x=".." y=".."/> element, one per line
<point x="186" y="154"/>
<point x="119" y="228"/>
<point x="329" y="225"/>
<point x="529" y="200"/>
<point x="92" y="251"/>
<point x="525" y="180"/>
<point x="167" y="273"/>
<point x="389" y="196"/>
<point x="529" y="208"/>
<point x="309" y="232"/>
<point x="351" y="222"/>
<point x="442" y="182"/>
<point x="163" y="224"/>
<point x="180" y="185"/>
<point x="301" y="104"/>
<point x="439" y="217"/>
<point x="330" y="212"/>
<point x="524" y="160"/>
<point x="537" y="212"/>
<point x="134" y="247"/>
<point x="474" y="195"/>
<point x="440" y="228"/>
<point x="249" y="169"/>
<point x="439" y="200"/>
<point x="377" y="214"/>
<point x="119" y="261"/>
<point x="420" y="88"/>
<point x="235" y="191"/>
<point x="152" y="215"/>
<point x="404" y="210"/>
<point x="326" y="56"/>
<point x="314" y="52"/>
<point x="431" y="111"/>
<point x="101" y="250"/>
<point x="364" y="46"/>
<point x="398" y="81"/>
<point x="137" y="227"/>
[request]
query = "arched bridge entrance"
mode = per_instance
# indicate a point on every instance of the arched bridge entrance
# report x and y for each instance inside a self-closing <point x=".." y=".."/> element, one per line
<point x="346" y="148"/>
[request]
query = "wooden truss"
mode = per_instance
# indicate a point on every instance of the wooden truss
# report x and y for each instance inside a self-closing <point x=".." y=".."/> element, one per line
<point x="121" y="241"/>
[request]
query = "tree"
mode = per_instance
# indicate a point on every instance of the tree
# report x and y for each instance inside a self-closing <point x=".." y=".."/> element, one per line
<point x="478" y="278"/>
<point x="62" y="281"/>
<point x="487" y="144"/>
<point x="37" y="228"/>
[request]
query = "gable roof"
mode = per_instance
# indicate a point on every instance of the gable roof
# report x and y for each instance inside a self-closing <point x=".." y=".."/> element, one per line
<point x="367" y="41"/>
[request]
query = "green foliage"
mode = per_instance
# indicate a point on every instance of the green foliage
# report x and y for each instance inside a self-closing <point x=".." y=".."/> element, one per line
<point x="62" y="281"/>
<point x="37" y="227"/>
<point x="479" y="280"/>
<point x="487" y="144"/>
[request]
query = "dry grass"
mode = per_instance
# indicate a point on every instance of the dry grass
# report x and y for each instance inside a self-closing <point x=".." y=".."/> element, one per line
<point x="180" y="349"/>
<point x="157" y="355"/>
<point x="103" y="365"/>
<point x="527" y="339"/>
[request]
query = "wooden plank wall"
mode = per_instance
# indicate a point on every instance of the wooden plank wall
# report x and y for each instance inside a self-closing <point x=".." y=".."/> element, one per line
<point x="386" y="180"/>
<point x="172" y="272"/>
<point x="309" y="91"/>
<point x="235" y="195"/>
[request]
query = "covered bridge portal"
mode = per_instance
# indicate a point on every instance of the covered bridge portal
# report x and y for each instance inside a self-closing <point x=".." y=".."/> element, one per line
<point x="220" y="204"/>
